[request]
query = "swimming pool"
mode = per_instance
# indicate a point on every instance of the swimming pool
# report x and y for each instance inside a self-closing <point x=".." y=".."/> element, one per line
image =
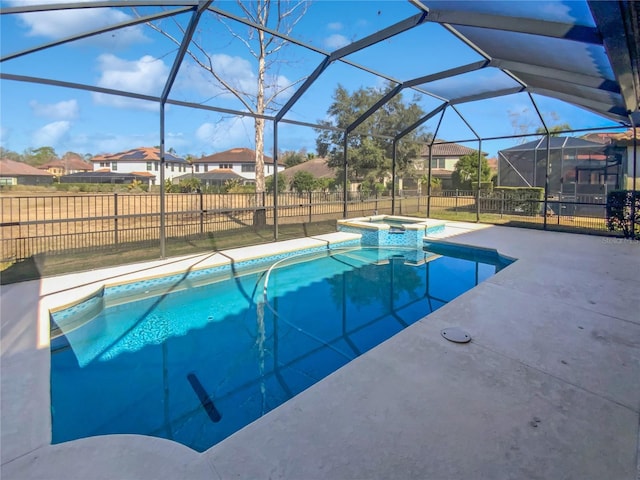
<point x="197" y="364"/>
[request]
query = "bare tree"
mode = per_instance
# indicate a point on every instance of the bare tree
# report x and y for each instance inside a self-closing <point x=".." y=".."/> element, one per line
<point x="279" y="15"/>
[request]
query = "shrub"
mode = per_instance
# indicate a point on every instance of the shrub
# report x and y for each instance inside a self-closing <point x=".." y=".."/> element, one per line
<point x="282" y="183"/>
<point x="484" y="186"/>
<point x="619" y="212"/>
<point x="303" y="182"/>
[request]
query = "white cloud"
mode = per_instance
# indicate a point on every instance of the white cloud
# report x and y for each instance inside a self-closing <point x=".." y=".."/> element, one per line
<point x="65" y="110"/>
<point x="335" y="41"/>
<point x="227" y="133"/>
<point x="557" y="11"/>
<point x="236" y="71"/>
<point x="51" y="133"/>
<point x="103" y="142"/>
<point x="63" y="23"/>
<point x="335" y="26"/>
<point x="145" y="76"/>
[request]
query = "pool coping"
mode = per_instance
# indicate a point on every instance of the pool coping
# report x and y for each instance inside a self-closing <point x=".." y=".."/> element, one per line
<point x="300" y="427"/>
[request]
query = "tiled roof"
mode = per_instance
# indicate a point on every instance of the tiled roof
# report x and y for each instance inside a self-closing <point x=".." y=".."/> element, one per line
<point x="11" y="168"/>
<point x="138" y="154"/>
<point x="599" y="137"/>
<point x="447" y="150"/>
<point x="316" y="166"/>
<point x="626" y="138"/>
<point x="235" y="155"/>
<point x="220" y="174"/>
<point x="71" y="163"/>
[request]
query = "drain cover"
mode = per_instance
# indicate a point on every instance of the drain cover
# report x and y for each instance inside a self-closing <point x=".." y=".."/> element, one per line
<point x="455" y="334"/>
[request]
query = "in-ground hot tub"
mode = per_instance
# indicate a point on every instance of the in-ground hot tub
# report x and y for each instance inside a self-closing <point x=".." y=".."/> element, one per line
<point x="391" y="229"/>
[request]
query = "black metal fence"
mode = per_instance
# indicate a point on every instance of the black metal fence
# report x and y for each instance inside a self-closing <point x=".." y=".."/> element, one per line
<point x="59" y="223"/>
<point x="586" y="213"/>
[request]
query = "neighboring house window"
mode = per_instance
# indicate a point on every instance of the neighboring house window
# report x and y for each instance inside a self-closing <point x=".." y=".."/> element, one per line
<point x="172" y="165"/>
<point x="226" y="165"/>
<point x="149" y="166"/>
<point x="156" y="166"/>
<point x="6" y="181"/>
<point x="248" y="168"/>
<point x="197" y="168"/>
<point x="438" y="163"/>
<point x="114" y="166"/>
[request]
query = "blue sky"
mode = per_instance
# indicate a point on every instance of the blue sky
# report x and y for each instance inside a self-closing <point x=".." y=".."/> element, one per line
<point x="139" y="59"/>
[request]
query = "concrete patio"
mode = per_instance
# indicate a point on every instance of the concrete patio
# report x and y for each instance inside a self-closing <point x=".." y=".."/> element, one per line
<point x="549" y="387"/>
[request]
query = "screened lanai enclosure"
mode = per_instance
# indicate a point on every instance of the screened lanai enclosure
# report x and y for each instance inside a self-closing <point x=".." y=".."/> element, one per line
<point x="576" y="176"/>
<point x="371" y="86"/>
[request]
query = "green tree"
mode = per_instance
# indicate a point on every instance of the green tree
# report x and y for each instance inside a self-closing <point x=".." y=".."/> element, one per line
<point x="436" y="183"/>
<point x="555" y="130"/>
<point x="10" y="155"/>
<point x="292" y="158"/>
<point x="326" y="184"/>
<point x="282" y="183"/>
<point x="39" y="156"/>
<point x="371" y="186"/>
<point x="303" y="182"/>
<point x="367" y="154"/>
<point x="465" y="173"/>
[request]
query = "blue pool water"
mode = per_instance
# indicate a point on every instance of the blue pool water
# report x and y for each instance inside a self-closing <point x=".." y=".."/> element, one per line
<point x="199" y="363"/>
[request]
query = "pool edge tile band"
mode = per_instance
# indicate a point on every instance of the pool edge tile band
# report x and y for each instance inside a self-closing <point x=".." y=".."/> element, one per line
<point x="111" y="291"/>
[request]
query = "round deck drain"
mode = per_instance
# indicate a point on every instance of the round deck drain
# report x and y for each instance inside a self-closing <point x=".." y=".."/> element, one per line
<point x="455" y="334"/>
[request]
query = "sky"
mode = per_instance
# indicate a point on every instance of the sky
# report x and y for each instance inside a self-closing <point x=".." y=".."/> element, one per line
<point x="140" y="58"/>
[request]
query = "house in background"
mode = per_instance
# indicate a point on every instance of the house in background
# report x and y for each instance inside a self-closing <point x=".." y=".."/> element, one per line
<point x="19" y="173"/>
<point x="444" y="158"/>
<point x="143" y="161"/>
<point x="69" y="163"/>
<point x="240" y="161"/>
<point x="316" y="166"/>
<point x="624" y="142"/>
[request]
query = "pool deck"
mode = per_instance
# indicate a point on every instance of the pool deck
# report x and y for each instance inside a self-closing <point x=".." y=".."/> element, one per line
<point x="549" y="387"/>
